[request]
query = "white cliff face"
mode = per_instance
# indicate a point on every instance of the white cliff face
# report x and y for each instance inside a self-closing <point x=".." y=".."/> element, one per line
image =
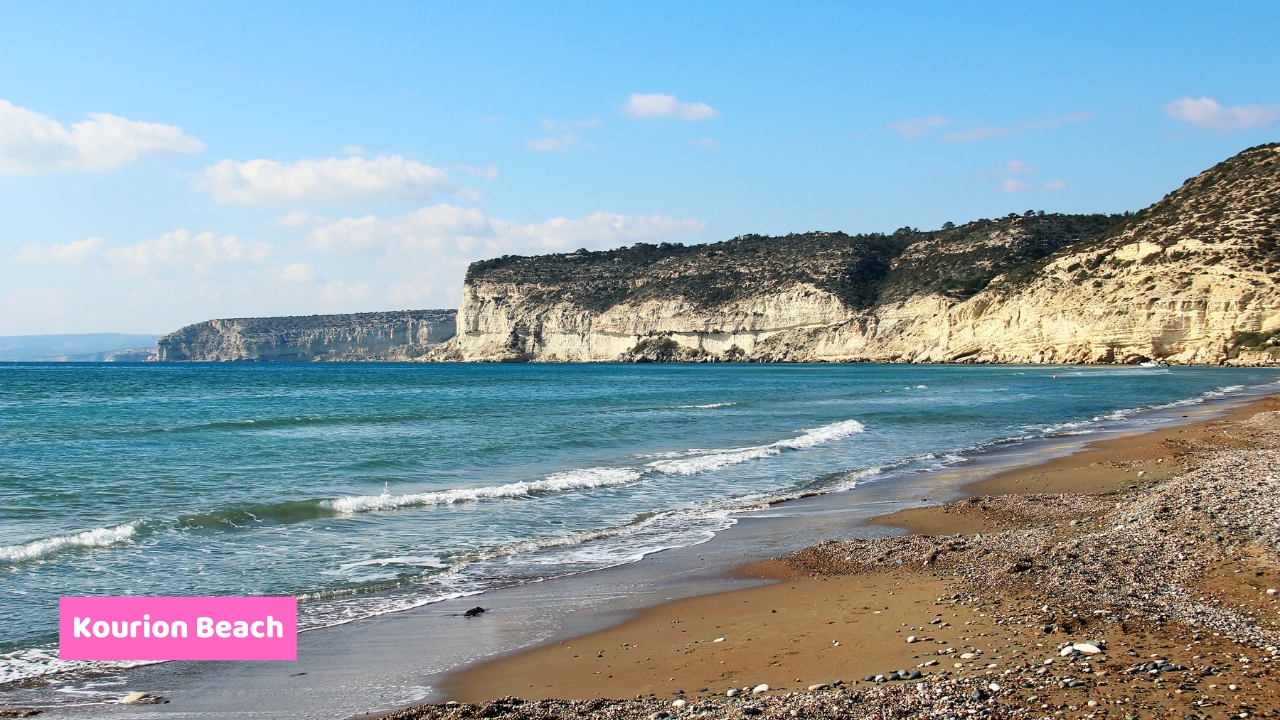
<point x="495" y="324"/>
<point x="1175" y="282"/>
<point x="361" y="336"/>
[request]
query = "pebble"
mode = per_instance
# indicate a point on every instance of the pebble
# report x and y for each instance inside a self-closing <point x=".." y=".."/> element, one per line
<point x="1087" y="648"/>
<point x="761" y="688"/>
<point x="968" y="656"/>
<point x="132" y="698"/>
<point x="1271" y="591"/>
<point x="1068" y="650"/>
<point x="733" y="692"/>
<point x="912" y="639"/>
<point x="817" y="687"/>
<point x="679" y="703"/>
<point x="718" y="640"/>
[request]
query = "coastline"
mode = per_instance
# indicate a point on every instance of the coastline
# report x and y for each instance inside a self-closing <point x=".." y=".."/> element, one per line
<point x="784" y="633"/>
<point x="399" y="649"/>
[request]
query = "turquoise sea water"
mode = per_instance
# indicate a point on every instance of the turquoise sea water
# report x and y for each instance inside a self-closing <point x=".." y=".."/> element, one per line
<point x="368" y="488"/>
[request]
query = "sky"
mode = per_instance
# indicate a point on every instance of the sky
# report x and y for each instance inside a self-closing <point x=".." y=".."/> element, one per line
<point x="165" y="163"/>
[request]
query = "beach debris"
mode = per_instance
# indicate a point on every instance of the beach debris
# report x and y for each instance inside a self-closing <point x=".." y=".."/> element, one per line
<point x="477" y="610"/>
<point x="761" y="688"/>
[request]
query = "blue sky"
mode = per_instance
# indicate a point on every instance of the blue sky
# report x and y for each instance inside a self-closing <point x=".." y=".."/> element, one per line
<point x="165" y="163"/>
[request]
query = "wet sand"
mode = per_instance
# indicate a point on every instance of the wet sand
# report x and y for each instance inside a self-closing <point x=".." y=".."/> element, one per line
<point x="817" y="624"/>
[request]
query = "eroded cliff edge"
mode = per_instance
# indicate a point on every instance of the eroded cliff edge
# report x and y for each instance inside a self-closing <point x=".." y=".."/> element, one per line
<point x="1188" y="280"/>
<point x="403" y="335"/>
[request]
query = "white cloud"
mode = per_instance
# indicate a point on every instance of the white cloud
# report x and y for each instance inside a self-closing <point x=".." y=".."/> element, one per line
<point x="72" y="252"/>
<point x="655" y="105"/>
<point x="551" y="144"/>
<point x="1012" y="185"/>
<point x="915" y="127"/>
<point x="175" y="251"/>
<point x="267" y="182"/>
<point x="992" y="131"/>
<point x="447" y="229"/>
<point x="1208" y="114"/>
<point x="703" y="143"/>
<point x="488" y="173"/>
<point x="340" y="291"/>
<point x="298" y="273"/>
<point x="353" y="150"/>
<point x="31" y="143"/>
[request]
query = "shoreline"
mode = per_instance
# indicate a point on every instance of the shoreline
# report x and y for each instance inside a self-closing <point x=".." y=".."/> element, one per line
<point x="392" y="642"/>
<point x="785" y="645"/>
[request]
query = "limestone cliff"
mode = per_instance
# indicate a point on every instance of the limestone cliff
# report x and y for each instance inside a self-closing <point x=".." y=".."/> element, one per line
<point x="1189" y="280"/>
<point x="402" y="335"/>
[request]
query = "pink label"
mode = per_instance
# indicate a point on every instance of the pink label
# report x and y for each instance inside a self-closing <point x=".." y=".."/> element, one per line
<point x="178" y="628"/>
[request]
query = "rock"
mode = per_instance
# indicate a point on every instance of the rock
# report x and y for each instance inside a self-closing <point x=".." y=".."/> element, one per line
<point x="879" y="678"/>
<point x="751" y="710"/>
<point x="679" y="703"/>
<point x="718" y="640"/>
<point x="401" y="335"/>
<point x="1068" y="650"/>
<point x="733" y="692"/>
<point x="912" y="639"/>
<point x="978" y="694"/>
<point x="132" y="698"/>
<point x="993" y="687"/>
<point x="968" y="656"/>
<point x="659" y="715"/>
<point x="915" y="675"/>
<point x="761" y="688"/>
<point x="817" y="687"/>
<point x="1086" y="648"/>
<point x="1271" y="591"/>
<point x="477" y="610"/>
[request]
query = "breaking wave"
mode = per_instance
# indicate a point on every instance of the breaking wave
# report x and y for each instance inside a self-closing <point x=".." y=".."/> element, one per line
<point x="694" y="462"/>
<point x="584" y="479"/>
<point x="101" y="537"/>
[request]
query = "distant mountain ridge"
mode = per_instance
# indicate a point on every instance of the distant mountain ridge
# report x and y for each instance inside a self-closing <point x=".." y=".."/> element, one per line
<point x="1190" y="279"/>
<point x="81" y="347"/>
<point x="399" y="335"/>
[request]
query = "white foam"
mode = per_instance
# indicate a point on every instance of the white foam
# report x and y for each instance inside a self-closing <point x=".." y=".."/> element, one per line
<point x="694" y="462"/>
<point x="102" y="537"/>
<point x="706" y="407"/>
<point x="583" y="479"/>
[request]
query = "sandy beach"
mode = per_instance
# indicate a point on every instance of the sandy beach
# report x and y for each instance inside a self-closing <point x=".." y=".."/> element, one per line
<point x="1133" y="578"/>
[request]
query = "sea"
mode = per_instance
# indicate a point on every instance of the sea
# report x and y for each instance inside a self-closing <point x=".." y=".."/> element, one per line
<point x="366" y="489"/>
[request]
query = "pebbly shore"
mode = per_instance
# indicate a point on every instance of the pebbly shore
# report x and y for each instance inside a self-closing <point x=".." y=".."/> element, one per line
<point x="1154" y="597"/>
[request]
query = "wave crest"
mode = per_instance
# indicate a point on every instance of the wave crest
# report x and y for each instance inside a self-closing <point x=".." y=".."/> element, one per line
<point x="583" y="479"/>
<point x="694" y="462"/>
<point x="101" y="537"/>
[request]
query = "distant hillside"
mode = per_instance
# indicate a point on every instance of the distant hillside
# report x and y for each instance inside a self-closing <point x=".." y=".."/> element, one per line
<point x="1189" y="279"/>
<point x="400" y="335"/>
<point x="86" y="347"/>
